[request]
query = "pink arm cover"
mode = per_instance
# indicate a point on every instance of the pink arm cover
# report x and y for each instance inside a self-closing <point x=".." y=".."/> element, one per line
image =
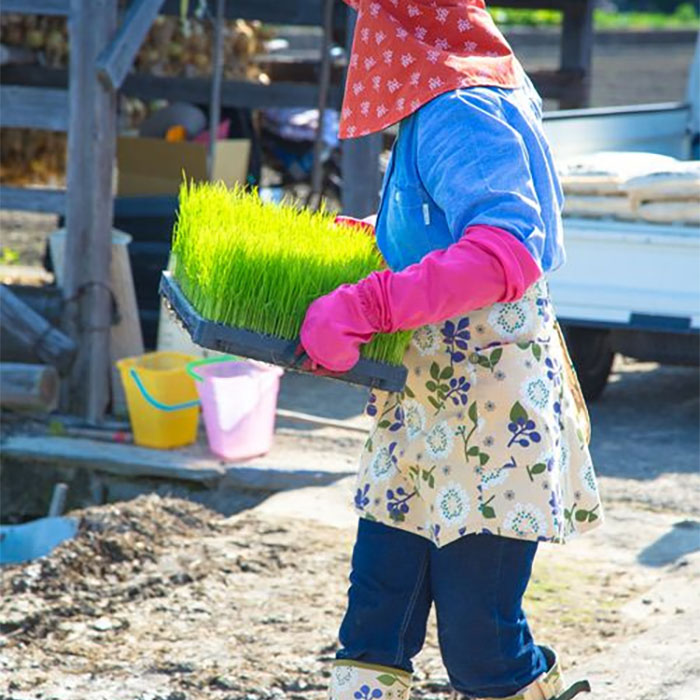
<point x="487" y="265"/>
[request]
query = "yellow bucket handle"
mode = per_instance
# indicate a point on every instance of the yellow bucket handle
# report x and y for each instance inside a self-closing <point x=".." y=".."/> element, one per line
<point x="154" y="402"/>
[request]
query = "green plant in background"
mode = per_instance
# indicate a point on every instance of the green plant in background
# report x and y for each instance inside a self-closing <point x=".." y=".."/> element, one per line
<point x="8" y="256"/>
<point x="685" y="16"/>
<point x="258" y="266"/>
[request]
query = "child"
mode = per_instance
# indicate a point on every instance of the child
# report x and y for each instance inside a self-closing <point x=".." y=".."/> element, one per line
<point x="484" y="454"/>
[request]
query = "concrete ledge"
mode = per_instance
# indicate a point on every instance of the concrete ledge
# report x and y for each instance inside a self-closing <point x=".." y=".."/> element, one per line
<point x="296" y="461"/>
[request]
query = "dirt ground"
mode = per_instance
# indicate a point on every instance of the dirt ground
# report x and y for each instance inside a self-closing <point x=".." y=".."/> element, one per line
<point x="162" y="599"/>
<point x="159" y="598"/>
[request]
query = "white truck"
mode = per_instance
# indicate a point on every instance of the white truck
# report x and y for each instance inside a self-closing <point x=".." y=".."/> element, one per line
<point x="629" y="287"/>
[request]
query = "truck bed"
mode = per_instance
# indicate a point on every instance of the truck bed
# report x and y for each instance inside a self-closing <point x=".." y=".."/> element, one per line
<point x="635" y="275"/>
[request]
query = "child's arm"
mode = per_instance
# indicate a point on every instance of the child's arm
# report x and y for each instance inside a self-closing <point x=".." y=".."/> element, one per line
<point x="487" y="265"/>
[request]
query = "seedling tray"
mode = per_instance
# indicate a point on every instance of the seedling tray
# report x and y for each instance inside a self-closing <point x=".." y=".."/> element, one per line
<point x="276" y="351"/>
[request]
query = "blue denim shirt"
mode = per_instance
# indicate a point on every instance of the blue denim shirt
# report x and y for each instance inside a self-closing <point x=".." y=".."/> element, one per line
<point x="471" y="156"/>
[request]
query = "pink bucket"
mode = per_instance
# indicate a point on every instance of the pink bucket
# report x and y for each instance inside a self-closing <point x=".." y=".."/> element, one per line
<point x="239" y="401"/>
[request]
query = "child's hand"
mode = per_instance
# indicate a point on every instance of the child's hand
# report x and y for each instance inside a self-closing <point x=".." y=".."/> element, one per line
<point x="335" y="327"/>
<point x="303" y="362"/>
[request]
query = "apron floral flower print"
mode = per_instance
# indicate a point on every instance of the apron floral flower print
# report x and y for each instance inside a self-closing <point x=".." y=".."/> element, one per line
<point x="486" y="437"/>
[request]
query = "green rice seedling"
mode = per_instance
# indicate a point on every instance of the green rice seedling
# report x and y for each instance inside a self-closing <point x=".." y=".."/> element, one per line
<point x="257" y="266"/>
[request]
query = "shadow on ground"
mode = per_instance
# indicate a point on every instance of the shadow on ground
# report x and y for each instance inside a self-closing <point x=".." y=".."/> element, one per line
<point x="682" y="539"/>
<point x="646" y="422"/>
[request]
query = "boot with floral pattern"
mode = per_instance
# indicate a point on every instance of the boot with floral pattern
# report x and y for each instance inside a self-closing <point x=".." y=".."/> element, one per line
<point x="550" y="685"/>
<point x="355" y="680"/>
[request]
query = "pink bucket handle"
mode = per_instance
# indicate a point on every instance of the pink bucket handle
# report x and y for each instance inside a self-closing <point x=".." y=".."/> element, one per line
<point x="207" y="361"/>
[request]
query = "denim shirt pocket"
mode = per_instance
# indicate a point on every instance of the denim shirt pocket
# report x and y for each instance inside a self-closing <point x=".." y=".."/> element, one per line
<point x="406" y="217"/>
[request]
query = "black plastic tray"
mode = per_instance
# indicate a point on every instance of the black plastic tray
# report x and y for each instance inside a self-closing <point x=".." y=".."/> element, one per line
<point x="276" y="351"/>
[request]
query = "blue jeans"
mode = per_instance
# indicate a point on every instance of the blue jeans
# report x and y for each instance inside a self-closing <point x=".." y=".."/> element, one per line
<point x="477" y="584"/>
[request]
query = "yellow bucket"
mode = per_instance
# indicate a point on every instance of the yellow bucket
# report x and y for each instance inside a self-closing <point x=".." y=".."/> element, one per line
<point x="161" y="398"/>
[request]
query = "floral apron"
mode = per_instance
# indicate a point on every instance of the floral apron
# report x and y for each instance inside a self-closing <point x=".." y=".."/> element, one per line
<point x="490" y="434"/>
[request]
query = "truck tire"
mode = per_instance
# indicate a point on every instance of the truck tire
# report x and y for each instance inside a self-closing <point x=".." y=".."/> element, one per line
<point x="592" y="353"/>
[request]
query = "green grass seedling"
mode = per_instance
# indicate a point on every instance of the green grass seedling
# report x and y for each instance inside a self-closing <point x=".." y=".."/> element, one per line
<point x="255" y="265"/>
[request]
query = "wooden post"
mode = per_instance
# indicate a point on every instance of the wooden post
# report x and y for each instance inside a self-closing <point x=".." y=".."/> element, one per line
<point x="89" y="207"/>
<point x="360" y="162"/>
<point x="217" y="77"/>
<point x="323" y="85"/>
<point x="115" y="60"/>
<point x="32" y="335"/>
<point x="577" y="50"/>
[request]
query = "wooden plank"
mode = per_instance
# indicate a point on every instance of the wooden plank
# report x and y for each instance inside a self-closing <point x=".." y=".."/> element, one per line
<point x="99" y="253"/>
<point x="287" y="465"/>
<point x="36" y="7"/>
<point x="35" y="333"/>
<point x="116" y="59"/>
<point x="234" y="93"/>
<point x="45" y="300"/>
<point x="216" y="81"/>
<point x="301" y="12"/>
<point x="33" y="199"/>
<point x="562" y="85"/>
<point x="91" y="148"/>
<point x="32" y="388"/>
<point x="577" y="50"/>
<point x="533" y="4"/>
<point x="78" y="201"/>
<point x="120" y="460"/>
<point x="33" y="108"/>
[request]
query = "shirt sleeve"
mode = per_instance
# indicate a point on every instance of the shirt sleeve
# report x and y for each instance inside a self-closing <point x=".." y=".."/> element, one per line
<point x="475" y="165"/>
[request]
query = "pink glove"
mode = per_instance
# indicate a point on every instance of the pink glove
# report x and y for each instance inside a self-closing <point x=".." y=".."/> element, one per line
<point x="487" y="265"/>
<point x="367" y="224"/>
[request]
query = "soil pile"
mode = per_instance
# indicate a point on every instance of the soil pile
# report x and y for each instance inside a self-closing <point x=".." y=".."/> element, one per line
<point x="112" y="560"/>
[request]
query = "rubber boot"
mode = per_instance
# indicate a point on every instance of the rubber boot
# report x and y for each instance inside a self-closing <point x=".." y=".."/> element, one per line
<point x="355" y="680"/>
<point x="550" y="685"/>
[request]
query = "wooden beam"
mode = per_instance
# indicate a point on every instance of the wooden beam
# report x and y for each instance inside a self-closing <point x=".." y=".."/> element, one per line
<point x="31" y="388"/>
<point x="125" y="461"/>
<point x="360" y="165"/>
<point x="301" y="12"/>
<point x="533" y="4"/>
<point x="33" y="108"/>
<point x="563" y="85"/>
<point x="577" y="49"/>
<point x="36" y="7"/>
<point x="234" y="93"/>
<point x="33" y="199"/>
<point x="89" y="208"/>
<point x="216" y="81"/>
<point x="35" y="333"/>
<point x="116" y="59"/>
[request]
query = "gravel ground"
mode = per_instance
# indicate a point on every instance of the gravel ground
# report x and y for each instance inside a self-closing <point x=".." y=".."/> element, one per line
<point x="160" y="599"/>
